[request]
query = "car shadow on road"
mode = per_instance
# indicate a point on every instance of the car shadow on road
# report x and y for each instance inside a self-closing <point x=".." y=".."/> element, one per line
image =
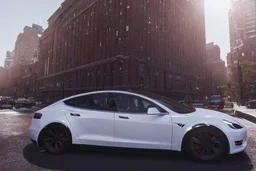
<point x="92" y="158"/>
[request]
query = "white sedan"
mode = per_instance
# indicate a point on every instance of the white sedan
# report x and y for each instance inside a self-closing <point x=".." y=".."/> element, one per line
<point x="133" y="119"/>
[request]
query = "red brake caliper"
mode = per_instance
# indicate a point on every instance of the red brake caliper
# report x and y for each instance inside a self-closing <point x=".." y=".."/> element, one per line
<point x="58" y="145"/>
<point x="196" y="152"/>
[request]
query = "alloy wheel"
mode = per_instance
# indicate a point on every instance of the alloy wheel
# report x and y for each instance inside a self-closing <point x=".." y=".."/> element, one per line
<point x="56" y="139"/>
<point x="206" y="146"/>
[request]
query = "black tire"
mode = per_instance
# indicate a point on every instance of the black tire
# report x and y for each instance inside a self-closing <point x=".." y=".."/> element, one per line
<point x="206" y="144"/>
<point x="56" y="139"/>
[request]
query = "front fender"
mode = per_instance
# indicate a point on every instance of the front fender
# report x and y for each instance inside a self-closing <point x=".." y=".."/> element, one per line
<point x="185" y="124"/>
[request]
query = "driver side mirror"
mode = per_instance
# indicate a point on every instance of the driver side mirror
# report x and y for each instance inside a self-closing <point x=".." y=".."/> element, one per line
<point x="154" y="111"/>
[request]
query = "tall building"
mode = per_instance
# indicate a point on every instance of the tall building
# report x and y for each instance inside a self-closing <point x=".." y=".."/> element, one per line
<point x="2" y="80"/>
<point x="27" y="44"/>
<point x="216" y="67"/>
<point x="9" y="59"/>
<point x="18" y="61"/>
<point x="156" y="46"/>
<point x="242" y="24"/>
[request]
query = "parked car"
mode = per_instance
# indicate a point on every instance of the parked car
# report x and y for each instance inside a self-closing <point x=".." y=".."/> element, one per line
<point x="216" y="101"/>
<point x="229" y="105"/>
<point x="22" y="102"/>
<point x="251" y="104"/>
<point x="133" y="119"/>
<point x="6" y="103"/>
<point x="31" y="101"/>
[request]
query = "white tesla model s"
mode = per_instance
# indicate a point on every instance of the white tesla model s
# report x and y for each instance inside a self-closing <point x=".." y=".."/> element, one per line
<point x="132" y="119"/>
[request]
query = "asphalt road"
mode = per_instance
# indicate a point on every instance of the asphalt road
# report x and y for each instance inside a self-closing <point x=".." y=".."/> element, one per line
<point x="17" y="153"/>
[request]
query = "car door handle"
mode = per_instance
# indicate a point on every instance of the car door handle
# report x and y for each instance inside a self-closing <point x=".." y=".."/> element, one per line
<point x="74" y="114"/>
<point x="123" y="117"/>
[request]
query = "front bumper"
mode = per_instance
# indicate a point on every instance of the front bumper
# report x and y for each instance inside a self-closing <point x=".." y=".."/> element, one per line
<point x="235" y="136"/>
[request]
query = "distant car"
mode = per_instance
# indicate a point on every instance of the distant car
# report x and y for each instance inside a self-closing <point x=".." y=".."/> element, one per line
<point x="6" y="103"/>
<point x="216" y="101"/>
<point x="251" y="104"/>
<point x="133" y="119"/>
<point x="22" y="102"/>
<point x="31" y="101"/>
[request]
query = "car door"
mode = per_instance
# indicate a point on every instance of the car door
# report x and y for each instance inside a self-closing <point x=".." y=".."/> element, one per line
<point x="91" y="119"/>
<point x="135" y="129"/>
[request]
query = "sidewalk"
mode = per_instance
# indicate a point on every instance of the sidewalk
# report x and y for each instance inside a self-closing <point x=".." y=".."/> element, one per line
<point x="243" y="112"/>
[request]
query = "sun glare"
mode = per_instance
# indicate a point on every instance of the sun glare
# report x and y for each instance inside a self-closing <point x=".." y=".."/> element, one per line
<point x="217" y="4"/>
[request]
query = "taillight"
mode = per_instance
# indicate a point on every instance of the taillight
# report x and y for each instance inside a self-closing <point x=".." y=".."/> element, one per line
<point x="37" y="116"/>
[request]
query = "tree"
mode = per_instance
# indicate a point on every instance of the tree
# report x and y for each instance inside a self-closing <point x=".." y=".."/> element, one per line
<point x="229" y="90"/>
<point x="248" y="73"/>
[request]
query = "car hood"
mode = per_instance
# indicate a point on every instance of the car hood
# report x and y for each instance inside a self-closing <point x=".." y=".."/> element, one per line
<point x="205" y="113"/>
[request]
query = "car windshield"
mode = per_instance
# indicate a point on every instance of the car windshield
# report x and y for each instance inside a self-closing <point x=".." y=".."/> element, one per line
<point x="171" y="104"/>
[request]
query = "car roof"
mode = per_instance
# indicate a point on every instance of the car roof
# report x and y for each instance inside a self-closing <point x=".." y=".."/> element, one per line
<point x="131" y="92"/>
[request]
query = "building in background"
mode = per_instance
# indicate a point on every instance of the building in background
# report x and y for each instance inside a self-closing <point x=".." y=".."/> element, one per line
<point x="242" y="24"/>
<point x="2" y="81"/>
<point x="9" y="59"/>
<point x="216" y="67"/>
<point x="18" y="61"/>
<point x="27" y="44"/>
<point x="156" y="46"/>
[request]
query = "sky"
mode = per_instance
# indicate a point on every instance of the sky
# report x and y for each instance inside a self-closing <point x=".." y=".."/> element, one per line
<point x="18" y="13"/>
<point x="217" y="27"/>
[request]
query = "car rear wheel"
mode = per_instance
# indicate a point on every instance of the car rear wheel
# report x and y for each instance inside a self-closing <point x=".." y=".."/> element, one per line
<point x="207" y="144"/>
<point x="56" y="139"/>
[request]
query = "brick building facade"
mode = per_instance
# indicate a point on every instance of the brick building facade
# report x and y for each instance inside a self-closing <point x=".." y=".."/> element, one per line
<point x="157" y="46"/>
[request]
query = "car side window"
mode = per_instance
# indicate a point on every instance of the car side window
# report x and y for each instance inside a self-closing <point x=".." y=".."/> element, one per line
<point x="97" y="101"/>
<point x="126" y="103"/>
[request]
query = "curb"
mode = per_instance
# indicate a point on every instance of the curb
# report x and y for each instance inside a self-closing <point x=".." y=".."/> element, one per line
<point x="245" y="116"/>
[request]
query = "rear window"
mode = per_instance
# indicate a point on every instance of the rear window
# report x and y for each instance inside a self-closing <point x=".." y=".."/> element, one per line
<point x="93" y="102"/>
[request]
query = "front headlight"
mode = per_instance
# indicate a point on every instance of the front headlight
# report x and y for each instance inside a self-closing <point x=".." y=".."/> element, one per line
<point x="232" y="125"/>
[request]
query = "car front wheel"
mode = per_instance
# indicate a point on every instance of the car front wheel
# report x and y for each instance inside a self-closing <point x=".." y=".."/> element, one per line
<point x="56" y="139"/>
<point x="207" y="144"/>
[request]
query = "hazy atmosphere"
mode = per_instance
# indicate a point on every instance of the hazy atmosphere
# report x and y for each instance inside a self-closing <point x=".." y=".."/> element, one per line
<point x="19" y="13"/>
<point x="158" y="85"/>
